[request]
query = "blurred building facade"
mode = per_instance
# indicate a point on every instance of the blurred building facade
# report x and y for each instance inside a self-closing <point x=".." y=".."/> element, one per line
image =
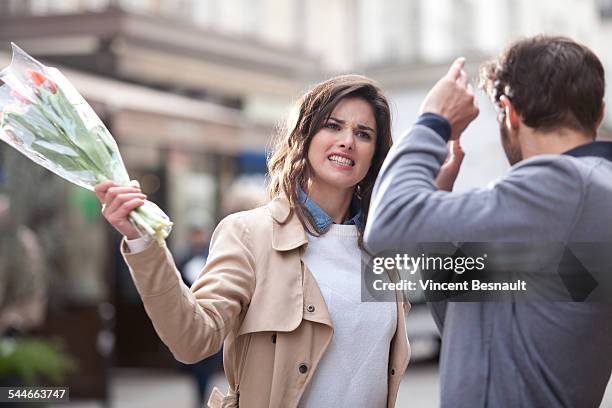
<point x="192" y="109"/>
<point x="408" y="45"/>
<point x="193" y="89"/>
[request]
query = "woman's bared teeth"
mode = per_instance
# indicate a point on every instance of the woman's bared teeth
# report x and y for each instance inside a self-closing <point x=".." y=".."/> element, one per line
<point x="341" y="160"/>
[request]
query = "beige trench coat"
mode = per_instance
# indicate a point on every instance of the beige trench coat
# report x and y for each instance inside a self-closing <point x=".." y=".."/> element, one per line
<point x="257" y="297"/>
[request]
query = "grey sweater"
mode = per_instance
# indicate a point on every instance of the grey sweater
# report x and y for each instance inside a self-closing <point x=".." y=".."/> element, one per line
<point x="523" y="354"/>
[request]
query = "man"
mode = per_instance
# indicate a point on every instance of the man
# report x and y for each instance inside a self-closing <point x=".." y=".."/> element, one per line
<point x="22" y="276"/>
<point x="549" y="94"/>
<point x="192" y="262"/>
<point x="190" y="265"/>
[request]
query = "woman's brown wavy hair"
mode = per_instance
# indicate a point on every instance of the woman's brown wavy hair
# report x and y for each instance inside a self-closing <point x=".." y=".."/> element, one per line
<point x="288" y="166"/>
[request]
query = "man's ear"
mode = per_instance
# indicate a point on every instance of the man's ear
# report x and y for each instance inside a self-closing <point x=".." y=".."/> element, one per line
<point x="601" y="114"/>
<point x="511" y="116"/>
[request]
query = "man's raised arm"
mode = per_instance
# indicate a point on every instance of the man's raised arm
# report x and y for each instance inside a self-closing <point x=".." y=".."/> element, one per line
<point x="407" y="206"/>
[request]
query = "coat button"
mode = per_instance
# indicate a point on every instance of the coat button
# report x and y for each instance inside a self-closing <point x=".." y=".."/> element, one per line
<point x="274" y="338"/>
<point x="310" y="308"/>
<point x="393" y="371"/>
<point x="303" y="368"/>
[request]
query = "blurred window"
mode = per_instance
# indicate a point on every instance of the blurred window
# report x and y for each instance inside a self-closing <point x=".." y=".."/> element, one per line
<point x="605" y="9"/>
<point x="252" y="163"/>
<point x="205" y="12"/>
<point x="44" y="7"/>
<point x="462" y="22"/>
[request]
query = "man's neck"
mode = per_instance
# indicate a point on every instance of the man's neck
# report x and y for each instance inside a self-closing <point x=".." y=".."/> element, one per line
<point x="534" y="143"/>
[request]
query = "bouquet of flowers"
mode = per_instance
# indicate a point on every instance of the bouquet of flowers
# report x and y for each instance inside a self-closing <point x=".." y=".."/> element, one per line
<point x="44" y="117"/>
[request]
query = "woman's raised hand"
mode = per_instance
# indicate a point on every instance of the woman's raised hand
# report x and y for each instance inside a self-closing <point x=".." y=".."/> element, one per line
<point x="117" y="202"/>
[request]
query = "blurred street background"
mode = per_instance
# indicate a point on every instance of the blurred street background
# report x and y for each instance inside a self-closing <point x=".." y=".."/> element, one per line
<point x="193" y="90"/>
<point x="146" y="389"/>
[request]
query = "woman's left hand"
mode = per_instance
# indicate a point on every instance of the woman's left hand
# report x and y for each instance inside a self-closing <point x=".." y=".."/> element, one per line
<point x="450" y="169"/>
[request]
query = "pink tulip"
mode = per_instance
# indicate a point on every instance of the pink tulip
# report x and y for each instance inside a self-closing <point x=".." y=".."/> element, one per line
<point x="20" y="97"/>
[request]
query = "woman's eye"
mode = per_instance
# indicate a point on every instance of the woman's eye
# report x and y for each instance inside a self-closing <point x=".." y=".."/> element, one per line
<point x="333" y="126"/>
<point x="364" y="135"/>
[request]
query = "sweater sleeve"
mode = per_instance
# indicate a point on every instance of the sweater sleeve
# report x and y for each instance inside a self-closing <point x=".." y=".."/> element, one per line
<point x="138" y="244"/>
<point x="538" y="199"/>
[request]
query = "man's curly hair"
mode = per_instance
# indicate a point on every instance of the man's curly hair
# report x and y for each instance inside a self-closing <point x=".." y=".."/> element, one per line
<point x="552" y="82"/>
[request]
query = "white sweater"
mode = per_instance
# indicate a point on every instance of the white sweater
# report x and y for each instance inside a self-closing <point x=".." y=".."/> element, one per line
<point x="353" y="371"/>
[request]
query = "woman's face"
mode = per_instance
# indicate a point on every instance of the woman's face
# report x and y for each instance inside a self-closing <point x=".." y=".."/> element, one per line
<point x="341" y="152"/>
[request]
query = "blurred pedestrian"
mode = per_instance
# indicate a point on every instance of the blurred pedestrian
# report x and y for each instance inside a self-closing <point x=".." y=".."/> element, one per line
<point x="282" y="283"/>
<point x="192" y="262"/>
<point x="22" y="276"/>
<point x="190" y="266"/>
<point x="549" y="95"/>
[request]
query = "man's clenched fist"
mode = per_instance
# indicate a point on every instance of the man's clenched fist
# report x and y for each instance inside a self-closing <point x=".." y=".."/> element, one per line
<point x="452" y="97"/>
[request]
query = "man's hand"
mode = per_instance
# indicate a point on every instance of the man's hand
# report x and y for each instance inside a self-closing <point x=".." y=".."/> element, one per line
<point x="452" y="98"/>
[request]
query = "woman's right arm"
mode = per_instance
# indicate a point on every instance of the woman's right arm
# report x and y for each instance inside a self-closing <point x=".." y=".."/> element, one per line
<point x="194" y="322"/>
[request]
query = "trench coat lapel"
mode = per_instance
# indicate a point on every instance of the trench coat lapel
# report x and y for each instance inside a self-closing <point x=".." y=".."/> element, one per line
<point x="287" y="230"/>
<point x="296" y="293"/>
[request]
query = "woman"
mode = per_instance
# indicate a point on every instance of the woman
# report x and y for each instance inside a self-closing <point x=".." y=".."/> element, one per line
<point x="281" y="288"/>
